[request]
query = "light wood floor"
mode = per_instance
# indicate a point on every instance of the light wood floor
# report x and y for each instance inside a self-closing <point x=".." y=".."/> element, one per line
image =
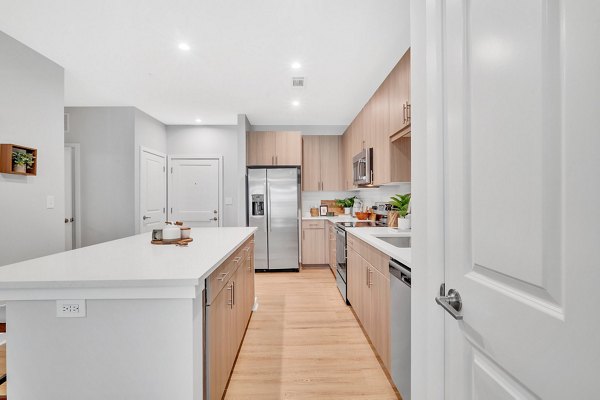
<point x="304" y="343"/>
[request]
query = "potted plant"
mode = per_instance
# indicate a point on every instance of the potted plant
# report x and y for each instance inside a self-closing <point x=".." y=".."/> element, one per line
<point x="400" y="204"/>
<point x="346" y="204"/>
<point x="22" y="161"/>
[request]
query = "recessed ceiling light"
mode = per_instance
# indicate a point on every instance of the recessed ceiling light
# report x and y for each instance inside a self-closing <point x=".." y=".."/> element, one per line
<point x="296" y="65"/>
<point x="295" y="103"/>
<point x="198" y="120"/>
<point x="184" y="46"/>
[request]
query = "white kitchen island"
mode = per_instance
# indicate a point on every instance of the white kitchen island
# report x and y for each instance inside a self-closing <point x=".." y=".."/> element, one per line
<point x="142" y="335"/>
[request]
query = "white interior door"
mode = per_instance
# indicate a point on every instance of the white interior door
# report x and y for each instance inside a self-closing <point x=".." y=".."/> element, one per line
<point x="195" y="191"/>
<point x="153" y="189"/>
<point x="69" y="200"/>
<point x="522" y="183"/>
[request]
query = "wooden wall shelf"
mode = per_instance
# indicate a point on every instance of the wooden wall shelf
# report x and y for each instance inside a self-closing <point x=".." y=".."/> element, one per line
<point x="6" y="164"/>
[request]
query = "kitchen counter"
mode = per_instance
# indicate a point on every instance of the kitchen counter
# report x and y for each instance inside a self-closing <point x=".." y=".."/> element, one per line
<point x="141" y="318"/>
<point x="337" y="218"/>
<point x="126" y="266"/>
<point x="369" y="235"/>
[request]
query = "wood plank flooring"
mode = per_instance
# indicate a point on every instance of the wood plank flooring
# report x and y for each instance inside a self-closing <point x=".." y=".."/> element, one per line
<point x="305" y="343"/>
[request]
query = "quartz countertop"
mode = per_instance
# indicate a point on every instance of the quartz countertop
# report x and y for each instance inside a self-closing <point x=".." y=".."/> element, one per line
<point x="131" y="262"/>
<point x="337" y="218"/>
<point x="369" y="235"/>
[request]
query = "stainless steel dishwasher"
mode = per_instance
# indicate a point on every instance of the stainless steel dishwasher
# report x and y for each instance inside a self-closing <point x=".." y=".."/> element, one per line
<point x="400" y="282"/>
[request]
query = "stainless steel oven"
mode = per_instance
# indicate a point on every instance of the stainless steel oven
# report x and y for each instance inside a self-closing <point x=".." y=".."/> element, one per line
<point x="340" y="258"/>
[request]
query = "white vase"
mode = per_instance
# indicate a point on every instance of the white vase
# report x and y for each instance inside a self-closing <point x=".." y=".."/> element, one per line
<point x="347" y="210"/>
<point x="403" y="224"/>
<point x="19" y="168"/>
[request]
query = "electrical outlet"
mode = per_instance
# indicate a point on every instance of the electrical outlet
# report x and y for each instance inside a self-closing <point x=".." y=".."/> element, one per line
<point x="70" y="308"/>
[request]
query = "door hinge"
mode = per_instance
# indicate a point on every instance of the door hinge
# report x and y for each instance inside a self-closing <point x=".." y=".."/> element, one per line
<point x="171" y="210"/>
<point x="171" y="169"/>
<point x="164" y="210"/>
<point x="164" y="169"/>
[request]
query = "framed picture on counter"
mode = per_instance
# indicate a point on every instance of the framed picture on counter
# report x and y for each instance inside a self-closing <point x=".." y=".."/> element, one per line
<point x="323" y="210"/>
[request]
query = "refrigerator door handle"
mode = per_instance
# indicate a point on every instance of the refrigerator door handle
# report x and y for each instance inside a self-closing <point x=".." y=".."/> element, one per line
<point x="269" y="207"/>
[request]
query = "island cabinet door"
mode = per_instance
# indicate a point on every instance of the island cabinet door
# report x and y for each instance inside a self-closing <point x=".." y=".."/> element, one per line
<point x="238" y="307"/>
<point x="249" y="295"/>
<point x="220" y="342"/>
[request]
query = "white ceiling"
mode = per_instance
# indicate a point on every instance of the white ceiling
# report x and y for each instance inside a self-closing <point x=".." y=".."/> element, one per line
<point x="125" y="53"/>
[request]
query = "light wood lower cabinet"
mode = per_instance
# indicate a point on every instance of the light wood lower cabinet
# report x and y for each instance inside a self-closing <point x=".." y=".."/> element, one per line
<point x="313" y="242"/>
<point x="227" y="316"/>
<point x="369" y="295"/>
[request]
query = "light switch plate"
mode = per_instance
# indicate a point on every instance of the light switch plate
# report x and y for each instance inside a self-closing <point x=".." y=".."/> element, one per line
<point x="49" y="202"/>
<point x="228" y="201"/>
<point x="70" y="308"/>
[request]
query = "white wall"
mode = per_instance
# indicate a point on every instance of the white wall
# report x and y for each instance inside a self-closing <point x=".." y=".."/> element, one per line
<point x="198" y="140"/>
<point x="31" y="114"/>
<point x="106" y="353"/>
<point x="305" y="129"/>
<point x="106" y="137"/>
<point x="150" y="133"/>
<point x="244" y="127"/>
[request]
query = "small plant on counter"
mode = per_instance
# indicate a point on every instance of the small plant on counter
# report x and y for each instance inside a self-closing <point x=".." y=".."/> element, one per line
<point x="345" y="203"/>
<point x="21" y="160"/>
<point x="400" y="203"/>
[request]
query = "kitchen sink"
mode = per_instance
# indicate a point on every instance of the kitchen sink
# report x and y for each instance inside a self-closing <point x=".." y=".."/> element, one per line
<point x="398" y="241"/>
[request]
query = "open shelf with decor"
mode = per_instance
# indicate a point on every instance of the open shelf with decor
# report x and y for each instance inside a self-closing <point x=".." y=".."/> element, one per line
<point x="18" y="160"/>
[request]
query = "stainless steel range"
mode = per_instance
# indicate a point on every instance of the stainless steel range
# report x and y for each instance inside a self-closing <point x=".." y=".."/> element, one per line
<point x="341" y="253"/>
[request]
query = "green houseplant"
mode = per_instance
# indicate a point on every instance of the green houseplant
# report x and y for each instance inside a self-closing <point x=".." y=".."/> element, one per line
<point x="400" y="206"/>
<point x="22" y="160"/>
<point x="346" y="204"/>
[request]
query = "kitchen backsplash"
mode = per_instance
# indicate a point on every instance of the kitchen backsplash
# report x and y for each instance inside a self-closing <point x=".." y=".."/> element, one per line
<point x="368" y="196"/>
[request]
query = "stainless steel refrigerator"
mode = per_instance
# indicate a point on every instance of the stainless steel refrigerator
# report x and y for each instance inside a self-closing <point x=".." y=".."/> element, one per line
<point x="274" y="208"/>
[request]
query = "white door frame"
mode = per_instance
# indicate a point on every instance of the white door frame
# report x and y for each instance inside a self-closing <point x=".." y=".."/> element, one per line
<point x="217" y="157"/>
<point x="140" y="221"/>
<point x="427" y="187"/>
<point x="77" y="191"/>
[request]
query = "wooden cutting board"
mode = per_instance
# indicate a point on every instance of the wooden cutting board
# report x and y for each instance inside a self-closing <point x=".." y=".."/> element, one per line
<point x="332" y="206"/>
<point x="181" y="242"/>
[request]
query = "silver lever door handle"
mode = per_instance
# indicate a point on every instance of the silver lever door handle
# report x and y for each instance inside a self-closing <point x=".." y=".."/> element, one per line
<point x="451" y="303"/>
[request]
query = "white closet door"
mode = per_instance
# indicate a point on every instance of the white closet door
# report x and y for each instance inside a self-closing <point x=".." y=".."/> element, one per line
<point x="194" y="191"/>
<point x="153" y="190"/>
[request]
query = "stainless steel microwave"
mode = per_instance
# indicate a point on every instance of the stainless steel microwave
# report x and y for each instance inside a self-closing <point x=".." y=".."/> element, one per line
<point x="362" y="167"/>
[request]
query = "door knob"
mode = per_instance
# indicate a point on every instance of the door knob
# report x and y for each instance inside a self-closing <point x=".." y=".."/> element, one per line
<point x="215" y="212"/>
<point x="215" y="219"/>
<point x="145" y="218"/>
<point x="452" y="303"/>
<point x="66" y="220"/>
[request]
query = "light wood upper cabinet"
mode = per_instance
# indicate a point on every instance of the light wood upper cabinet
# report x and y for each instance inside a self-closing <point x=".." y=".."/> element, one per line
<point x="261" y="148"/>
<point x="399" y="95"/>
<point x="288" y="148"/>
<point x="273" y="148"/>
<point x="322" y="163"/>
<point x="386" y="115"/>
<point x="311" y="163"/>
<point x="331" y="163"/>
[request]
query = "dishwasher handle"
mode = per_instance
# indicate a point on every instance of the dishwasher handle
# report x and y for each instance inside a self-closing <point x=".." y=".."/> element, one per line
<point x="400" y="271"/>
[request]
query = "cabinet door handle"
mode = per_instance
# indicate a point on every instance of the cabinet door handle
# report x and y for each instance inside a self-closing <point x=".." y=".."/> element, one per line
<point x="276" y="160"/>
<point x="403" y="113"/>
<point x="408" y="112"/>
<point x="232" y="294"/>
<point x="370" y="277"/>
<point x="367" y="281"/>
<point x="230" y="302"/>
